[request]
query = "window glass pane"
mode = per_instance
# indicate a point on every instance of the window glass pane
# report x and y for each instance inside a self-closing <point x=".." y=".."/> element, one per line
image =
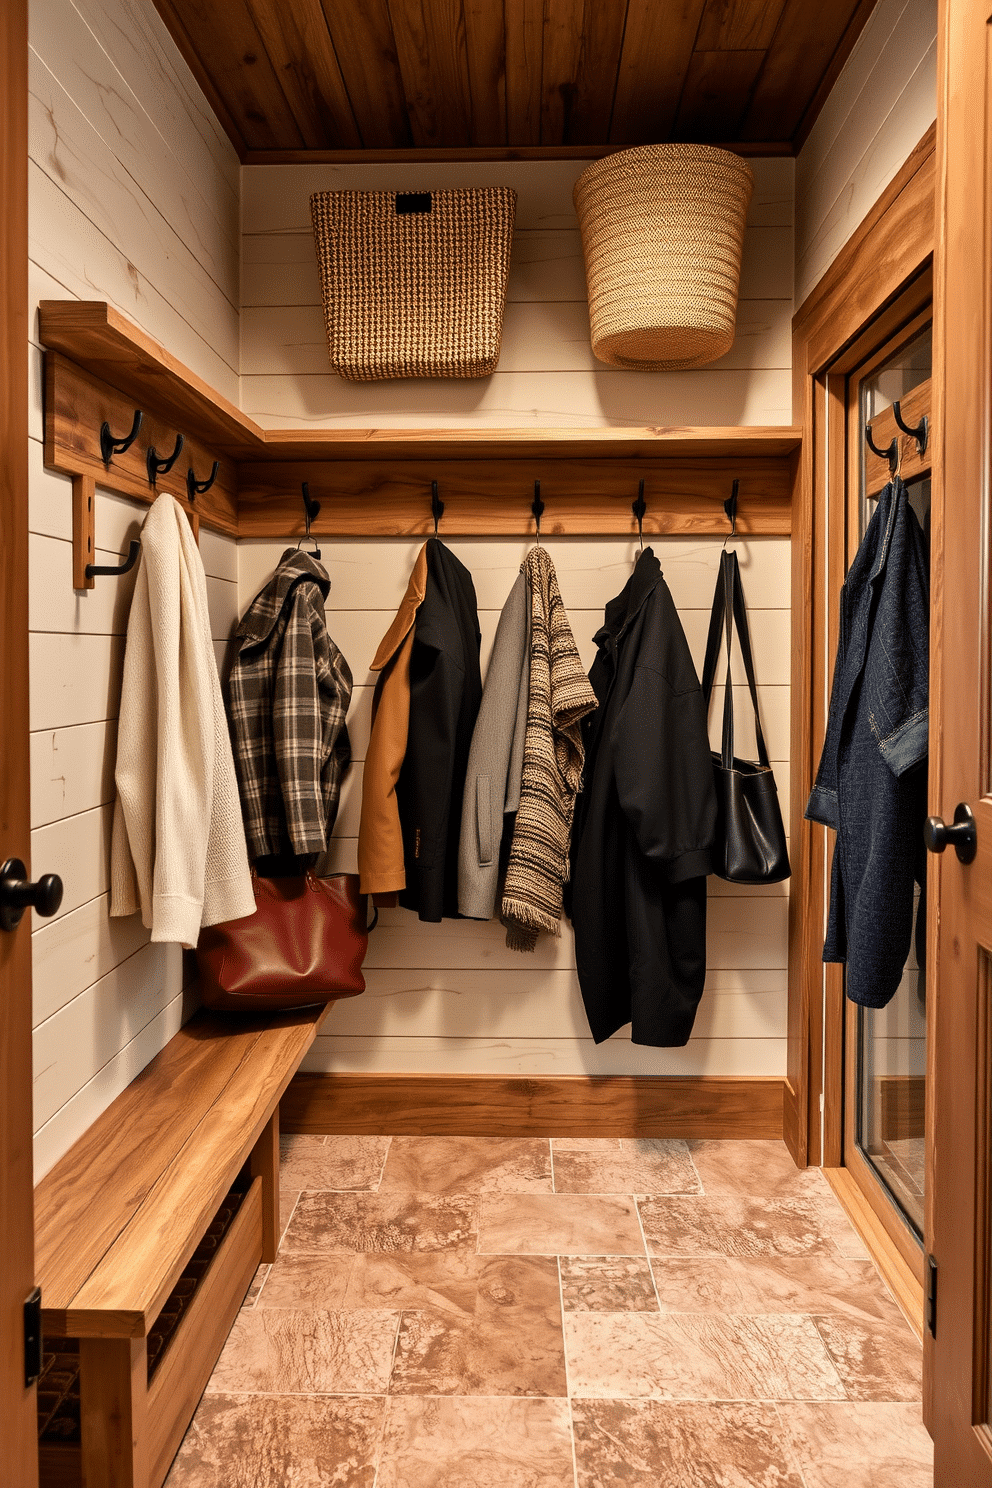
<point x="891" y="1041"/>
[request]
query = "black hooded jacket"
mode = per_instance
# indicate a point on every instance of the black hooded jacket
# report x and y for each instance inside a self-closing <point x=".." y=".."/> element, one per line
<point x="445" y="693"/>
<point x="644" y="824"/>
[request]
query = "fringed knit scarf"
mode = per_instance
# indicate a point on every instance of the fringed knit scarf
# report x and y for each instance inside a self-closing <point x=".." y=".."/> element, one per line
<point x="560" y="697"/>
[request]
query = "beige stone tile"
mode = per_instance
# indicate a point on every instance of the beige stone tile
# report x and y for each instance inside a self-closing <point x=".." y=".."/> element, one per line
<point x="698" y="1356"/>
<point x="444" y="1281"/>
<point x="293" y="1142"/>
<point x="741" y="1226"/>
<point x="607" y="1284"/>
<point x="646" y="1167"/>
<point x="814" y="1283"/>
<point x="246" y="1441"/>
<point x="459" y="1442"/>
<point x="299" y="1281"/>
<point x="655" y="1443"/>
<point x="860" y="1445"/>
<point x="279" y="1351"/>
<point x="510" y="1345"/>
<point x="586" y="1144"/>
<point x="345" y="1223"/>
<point x="333" y="1163"/>
<point x="287" y="1205"/>
<point x="876" y="1361"/>
<point x="759" y="1169"/>
<point x="558" y="1224"/>
<point x="468" y="1165"/>
<point x="257" y="1282"/>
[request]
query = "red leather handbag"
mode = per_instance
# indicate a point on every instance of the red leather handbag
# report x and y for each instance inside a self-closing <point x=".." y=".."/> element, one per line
<point x="304" y="944"/>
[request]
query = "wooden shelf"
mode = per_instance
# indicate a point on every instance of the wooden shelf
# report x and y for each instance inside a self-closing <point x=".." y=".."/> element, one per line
<point x="377" y="481"/>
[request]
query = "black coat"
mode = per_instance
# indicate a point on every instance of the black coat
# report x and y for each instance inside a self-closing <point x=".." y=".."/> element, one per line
<point x="644" y="824"/>
<point x="445" y="693"/>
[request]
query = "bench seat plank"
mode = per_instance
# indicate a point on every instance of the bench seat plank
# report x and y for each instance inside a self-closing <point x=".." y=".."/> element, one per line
<point x="84" y="1203"/>
<point x="136" y="1274"/>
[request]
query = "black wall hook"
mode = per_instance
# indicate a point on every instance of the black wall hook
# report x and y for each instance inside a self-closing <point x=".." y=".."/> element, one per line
<point x="730" y="507"/>
<point x="109" y="446"/>
<point x="639" y="507"/>
<point x="196" y="488"/>
<point x="311" y="511"/>
<point x="437" y="506"/>
<point x="95" y="570"/>
<point x="921" y="432"/>
<point x="890" y="453"/>
<point x="537" y="508"/>
<point x="157" y="466"/>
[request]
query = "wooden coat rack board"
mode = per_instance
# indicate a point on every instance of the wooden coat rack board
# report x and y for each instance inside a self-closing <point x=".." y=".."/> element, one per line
<point x="912" y="464"/>
<point x="374" y="483"/>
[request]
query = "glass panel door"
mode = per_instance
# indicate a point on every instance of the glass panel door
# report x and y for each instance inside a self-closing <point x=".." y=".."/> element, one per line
<point x="887" y="1054"/>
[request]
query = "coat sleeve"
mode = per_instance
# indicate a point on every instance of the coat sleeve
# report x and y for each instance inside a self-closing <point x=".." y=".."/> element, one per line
<point x="296" y="727"/>
<point x="488" y="762"/>
<point x="165" y="757"/>
<point x="664" y="774"/>
<point x="380" y="837"/>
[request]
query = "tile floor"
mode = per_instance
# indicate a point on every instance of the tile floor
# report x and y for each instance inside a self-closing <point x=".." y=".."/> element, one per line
<point x="465" y="1312"/>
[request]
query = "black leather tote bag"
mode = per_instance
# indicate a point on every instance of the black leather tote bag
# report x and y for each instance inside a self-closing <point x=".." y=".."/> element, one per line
<point x="750" y="846"/>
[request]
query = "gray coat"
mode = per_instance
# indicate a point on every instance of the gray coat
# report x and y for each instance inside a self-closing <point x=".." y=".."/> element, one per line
<point x="492" y="785"/>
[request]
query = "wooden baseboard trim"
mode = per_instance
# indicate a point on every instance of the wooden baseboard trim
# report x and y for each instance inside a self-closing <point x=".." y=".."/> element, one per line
<point x="895" y="1269"/>
<point x="560" y="1106"/>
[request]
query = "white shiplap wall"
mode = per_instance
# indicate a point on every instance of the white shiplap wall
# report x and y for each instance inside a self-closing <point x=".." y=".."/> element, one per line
<point x="547" y="375"/>
<point x="880" y="107"/>
<point x="134" y="198"/>
<point x="450" y="997"/>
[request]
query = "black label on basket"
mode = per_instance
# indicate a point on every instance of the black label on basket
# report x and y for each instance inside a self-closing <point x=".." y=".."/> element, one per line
<point x="412" y="201"/>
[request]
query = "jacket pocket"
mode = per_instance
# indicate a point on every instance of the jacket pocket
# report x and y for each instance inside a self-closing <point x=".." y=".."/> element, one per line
<point x="484" y="818"/>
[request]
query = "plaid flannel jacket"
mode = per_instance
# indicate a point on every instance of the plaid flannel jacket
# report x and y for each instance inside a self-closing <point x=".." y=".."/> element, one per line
<point x="287" y="697"/>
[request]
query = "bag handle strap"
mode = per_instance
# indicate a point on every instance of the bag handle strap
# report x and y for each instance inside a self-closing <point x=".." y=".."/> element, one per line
<point x="728" y="610"/>
<point x="744" y="636"/>
<point x="713" y="637"/>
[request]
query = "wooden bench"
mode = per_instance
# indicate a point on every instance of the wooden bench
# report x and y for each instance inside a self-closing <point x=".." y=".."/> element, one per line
<point x="118" y="1218"/>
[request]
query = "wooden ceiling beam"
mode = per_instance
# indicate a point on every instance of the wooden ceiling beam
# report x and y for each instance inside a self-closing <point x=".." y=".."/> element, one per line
<point x="580" y="65"/>
<point x="717" y="88"/>
<point x="229" y="51"/>
<point x="768" y="148"/>
<point x="362" y="36"/>
<point x="394" y="75"/>
<point x="524" y="26"/>
<point x="433" y="60"/>
<point x="801" y="65"/>
<point x="299" y="47"/>
<point x="657" y="45"/>
<point x="738" y="25"/>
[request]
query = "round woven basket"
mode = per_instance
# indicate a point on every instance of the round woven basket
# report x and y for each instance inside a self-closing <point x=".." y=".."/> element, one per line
<point x="662" y="233"/>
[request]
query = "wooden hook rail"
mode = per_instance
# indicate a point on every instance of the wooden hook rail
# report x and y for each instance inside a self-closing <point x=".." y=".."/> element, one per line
<point x="377" y="483"/>
<point x="913" y="465"/>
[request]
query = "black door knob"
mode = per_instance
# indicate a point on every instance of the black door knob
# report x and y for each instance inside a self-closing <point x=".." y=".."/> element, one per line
<point x="17" y="893"/>
<point x="962" y="836"/>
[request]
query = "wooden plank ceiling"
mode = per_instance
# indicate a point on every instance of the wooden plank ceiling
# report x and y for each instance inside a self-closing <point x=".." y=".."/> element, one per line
<point x="551" y="75"/>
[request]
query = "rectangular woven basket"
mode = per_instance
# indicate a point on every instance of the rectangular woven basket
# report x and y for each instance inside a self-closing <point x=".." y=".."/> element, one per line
<point x="413" y="283"/>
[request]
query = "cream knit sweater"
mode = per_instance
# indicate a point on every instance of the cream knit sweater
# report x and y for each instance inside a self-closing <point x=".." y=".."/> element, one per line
<point x="178" y="852"/>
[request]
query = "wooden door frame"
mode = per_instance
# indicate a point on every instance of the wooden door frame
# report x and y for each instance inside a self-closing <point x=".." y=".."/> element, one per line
<point x="18" y="1410"/>
<point x="957" y="1369"/>
<point x="858" y="298"/>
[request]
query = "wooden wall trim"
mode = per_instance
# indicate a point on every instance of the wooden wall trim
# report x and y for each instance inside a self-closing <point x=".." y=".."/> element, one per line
<point x="551" y="1106"/>
<point x="18" y="1421"/>
<point x="892" y="248"/>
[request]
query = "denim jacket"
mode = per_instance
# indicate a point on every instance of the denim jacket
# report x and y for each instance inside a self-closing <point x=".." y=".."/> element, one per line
<point x="871" y="786"/>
